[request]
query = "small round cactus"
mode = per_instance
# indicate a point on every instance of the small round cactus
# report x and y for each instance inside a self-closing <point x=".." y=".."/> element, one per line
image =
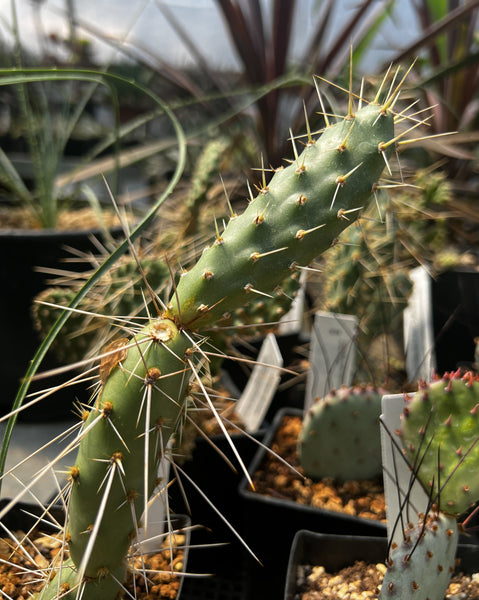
<point x="340" y="435"/>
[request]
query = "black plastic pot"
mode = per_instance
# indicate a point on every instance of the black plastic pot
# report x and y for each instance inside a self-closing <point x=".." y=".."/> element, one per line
<point x="455" y="298"/>
<point x="334" y="552"/>
<point x="215" y="548"/>
<point x="23" y="251"/>
<point x="271" y="523"/>
<point x="217" y="481"/>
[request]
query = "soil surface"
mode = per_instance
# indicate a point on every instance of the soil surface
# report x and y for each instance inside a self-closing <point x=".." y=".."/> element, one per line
<point x="274" y="478"/>
<point x="363" y="581"/>
<point x="77" y="220"/>
<point x="21" y="579"/>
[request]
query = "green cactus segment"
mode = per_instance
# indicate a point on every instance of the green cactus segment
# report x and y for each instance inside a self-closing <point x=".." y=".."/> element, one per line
<point x="99" y="588"/>
<point x="143" y="376"/>
<point x="421" y="566"/>
<point x="444" y="418"/>
<point x="291" y="221"/>
<point x="340" y="435"/>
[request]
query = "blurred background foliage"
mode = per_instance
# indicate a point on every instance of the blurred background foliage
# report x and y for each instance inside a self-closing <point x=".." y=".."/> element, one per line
<point x="253" y="107"/>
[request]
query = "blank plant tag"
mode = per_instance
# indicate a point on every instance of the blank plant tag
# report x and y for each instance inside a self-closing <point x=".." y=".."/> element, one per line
<point x="419" y="329"/>
<point x="397" y="475"/>
<point x="156" y="522"/>
<point x="332" y="354"/>
<point x="262" y="384"/>
<point x="293" y="321"/>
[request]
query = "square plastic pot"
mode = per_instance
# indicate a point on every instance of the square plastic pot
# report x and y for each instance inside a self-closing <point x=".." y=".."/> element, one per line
<point x="334" y="552"/>
<point x="270" y="523"/>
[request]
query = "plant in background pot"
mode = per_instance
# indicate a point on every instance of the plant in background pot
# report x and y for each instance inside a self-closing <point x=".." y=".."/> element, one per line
<point x="438" y="438"/>
<point x="320" y="471"/>
<point x="145" y="378"/>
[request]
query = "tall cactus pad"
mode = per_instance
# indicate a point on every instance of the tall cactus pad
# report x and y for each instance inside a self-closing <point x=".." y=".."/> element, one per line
<point x="340" y="435"/>
<point x="421" y="566"/>
<point x="298" y="215"/>
<point x="125" y="434"/>
<point x="440" y="433"/>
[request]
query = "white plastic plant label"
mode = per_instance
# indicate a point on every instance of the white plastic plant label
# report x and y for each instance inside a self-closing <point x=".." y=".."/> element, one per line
<point x="149" y="538"/>
<point x="293" y="321"/>
<point x="332" y="354"/>
<point x="404" y="495"/>
<point x="419" y="329"/>
<point x="262" y="385"/>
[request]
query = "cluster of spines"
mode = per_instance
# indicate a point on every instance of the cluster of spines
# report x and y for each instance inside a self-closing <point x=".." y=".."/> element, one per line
<point x="119" y="293"/>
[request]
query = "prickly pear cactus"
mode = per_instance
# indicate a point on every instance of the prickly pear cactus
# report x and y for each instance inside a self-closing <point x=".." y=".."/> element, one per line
<point x="421" y="566"/>
<point x="440" y="436"/>
<point x="123" y="439"/>
<point x="340" y="435"/>
<point x="295" y="217"/>
<point x="440" y="432"/>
